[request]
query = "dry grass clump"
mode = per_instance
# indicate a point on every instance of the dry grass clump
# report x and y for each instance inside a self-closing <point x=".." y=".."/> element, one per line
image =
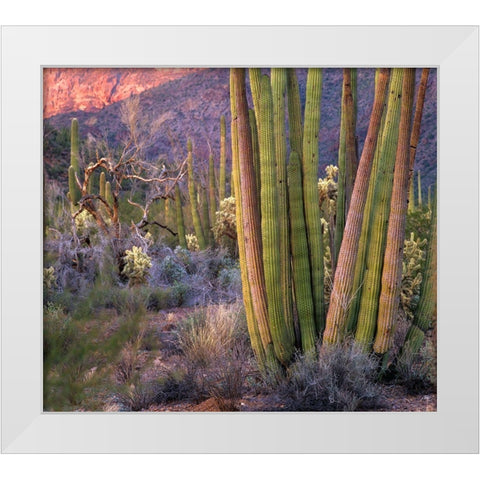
<point x="342" y="378"/>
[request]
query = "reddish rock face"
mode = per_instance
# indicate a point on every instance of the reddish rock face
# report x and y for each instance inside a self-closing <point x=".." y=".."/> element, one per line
<point x="90" y="89"/>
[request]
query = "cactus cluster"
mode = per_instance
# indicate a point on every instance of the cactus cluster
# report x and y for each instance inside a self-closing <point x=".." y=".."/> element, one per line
<point x="289" y="223"/>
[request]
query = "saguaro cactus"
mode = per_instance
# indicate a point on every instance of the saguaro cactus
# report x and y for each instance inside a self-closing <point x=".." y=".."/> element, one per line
<point x="367" y="315"/>
<point x="74" y="146"/>
<point x="197" y="224"/>
<point x="300" y="260"/>
<point x="344" y="274"/>
<point x="392" y="265"/>
<point x="282" y="335"/>
<point x="310" y="191"/>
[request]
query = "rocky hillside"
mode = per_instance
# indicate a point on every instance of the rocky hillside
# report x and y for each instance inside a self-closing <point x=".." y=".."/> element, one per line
<point x="189" y="104"/>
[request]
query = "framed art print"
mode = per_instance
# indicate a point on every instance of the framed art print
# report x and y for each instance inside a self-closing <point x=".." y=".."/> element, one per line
<point x="260" y="239"/>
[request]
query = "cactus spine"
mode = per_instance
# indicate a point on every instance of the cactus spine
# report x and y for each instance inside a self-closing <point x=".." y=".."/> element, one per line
<point x="392" y="265"/>
<point x="310" y="191"/>
<point x="367" y="316"/>
<point x="222" y="180"/>
<point x="344" y="274"/>
<point x="279" y="90"/>
<point x="283" y="338"/>
<point x="180" y="222"/>
<point x="197" y="225"/>
<point x="300" y="259"/>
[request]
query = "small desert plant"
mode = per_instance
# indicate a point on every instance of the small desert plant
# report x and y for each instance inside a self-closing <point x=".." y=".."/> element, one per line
<point x="225" y="228"/>
<point x="137" y="266"/>
<point x="418" y="372"/>
<point x="342" y="378"/>
<point x="137" y="396"/>
<point x="192" y="242"/>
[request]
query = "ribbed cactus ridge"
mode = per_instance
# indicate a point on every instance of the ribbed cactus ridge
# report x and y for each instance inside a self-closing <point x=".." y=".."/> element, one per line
<point x="367" y="315"/>
<point x="252" y="324"/>
<point x="222" y="176"/>
<point x="354" y="303"/>
<point x="351" y="162"/>
<point x="300" y="259"/>
<point x="74" y="146"/>
<point x="310" y="191"/>
<point x="341" y="198"/>
<point x="392" y="264"/>
<point x="256" y="151"/>
<point x="102" y="184"/>
<point x="250" y="211"/>
<point x="73" y="190"/>
<point x="343" y="287"/>
<point x="197" y="224"/>
<point x="419" y="192"/>
<point x="283" y="337"/>
<point x="279" y="91"/>
<point x="255" y="78"/>
<point x="180" y="221"/>
<point x="427" y="304"/>
<point x="294" y="113"/>
<point x="429" y="197"/>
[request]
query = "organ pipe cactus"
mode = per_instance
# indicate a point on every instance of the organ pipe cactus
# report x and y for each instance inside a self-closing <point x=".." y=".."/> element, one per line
<point x="252" y="325"/>
<point x="310" y="191"/>
<point x="74" y="193"/>
<point x="197" y="224"/>
<point x="294" y="113"/>
<point x="419" y="192"/>
<point x="344" y="274"/>
<point x="250" y="212"/>
<point x="74" y="146"/>
<point x="392" y="265"/>
<point x="212" y="201"/>
<point x="300" y="259"/>
<point x="222" y="186"/>
<point x="102" y="184"/>
<point x="279" y="90"/>
<point x="281" y="331"/>
<point x="256" y="151"/>
<point x="207" y="231"/>
<point x="367" y="315"/>
<point x="180" y="222"/>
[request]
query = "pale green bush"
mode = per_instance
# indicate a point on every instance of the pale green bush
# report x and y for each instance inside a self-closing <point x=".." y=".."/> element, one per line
<point x="137" y="266"/>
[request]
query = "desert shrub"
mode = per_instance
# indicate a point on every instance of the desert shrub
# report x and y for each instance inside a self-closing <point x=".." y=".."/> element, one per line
<point x="342" y="378"/>
<point x="136" y="396"/>
<point x="58" y="333"/>
<point x="172" y="269"/>
<point x="176" y="384"/>
<point x="137" y="266"/>
<point x="230" y="282"/>
<point x="210" y="333"/>
<point x="418" y="372"/>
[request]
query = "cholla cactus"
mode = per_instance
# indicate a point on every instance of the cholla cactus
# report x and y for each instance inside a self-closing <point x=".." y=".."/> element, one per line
<point x="137" y="266"/>
<point x="413" y="259"/>
<point x="49" y="278"/>
<point x="192" y="242"/>
<point x="225" y="220"/>
<point x="328" y="189"/>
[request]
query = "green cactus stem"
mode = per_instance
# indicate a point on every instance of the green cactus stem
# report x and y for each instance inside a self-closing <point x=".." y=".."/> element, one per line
<point x="256" y="151"/>
<point x="108" y="194"/>
<point x="180" y="222"/>
<point x="207" y="231"/>
<point x="282" y="335"/>
<point x="102" y="184"/>
<point x="392" y="264"/>
<point x="197" y="224"/>
<point x="222" y="178"/>
<point x="74" y="146"/>
<point x="343" y="285"/>
<point x="248" y="217"/>
<point x="212" y="200"/>
<point x="419" y="192"/>
<point x="294" y="113"/>
<point x="367" y="315"/>
<point x="300" y="259"/>
<point x="279" y="91"/>
<point x="310" y="192"/>
<point x="73" y="189"/>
